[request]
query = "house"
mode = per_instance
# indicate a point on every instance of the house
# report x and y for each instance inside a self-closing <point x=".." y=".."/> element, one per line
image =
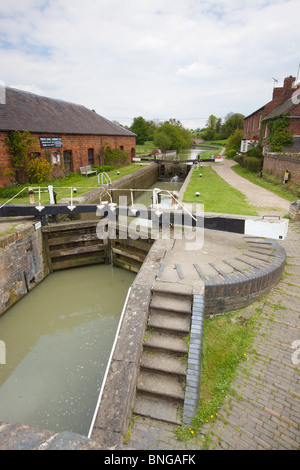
<point x="285" y="102"/>
<point x="66" y="133"/>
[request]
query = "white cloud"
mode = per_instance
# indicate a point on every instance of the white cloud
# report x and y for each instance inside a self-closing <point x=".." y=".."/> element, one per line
<point x="158" y="58"/>
<point x="197" y="70"/>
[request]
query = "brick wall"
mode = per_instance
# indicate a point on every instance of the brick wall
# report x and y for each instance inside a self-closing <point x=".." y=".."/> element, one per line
<point x="252" y="124"/>
<point x="5" y="179"/>
<point x="77" y="144"/>
<point x="22" y="264"/>
<point x="277" y="164"/>
<point x="241" y="289"/>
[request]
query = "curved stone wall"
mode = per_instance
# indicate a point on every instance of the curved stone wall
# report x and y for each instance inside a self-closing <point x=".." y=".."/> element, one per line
<point x="262" y="268"/>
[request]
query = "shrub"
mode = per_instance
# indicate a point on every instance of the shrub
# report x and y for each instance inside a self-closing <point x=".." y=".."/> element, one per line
<point x="8" y="192"/>
<point x="38" y="170"/>
<point x="230" y="153"/>
<point x="102" y="168"/>
<point x="21" y="146"/>
<point x="239" y="159"/>
<point x="234" y="140"/>
<point x="116" y="157"/>
<point x="253" y="164"/>
<point x="255" y="152"/>
<point x="72" y="177"/>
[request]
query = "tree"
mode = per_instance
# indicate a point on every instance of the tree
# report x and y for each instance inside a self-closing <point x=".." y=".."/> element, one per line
<point x="162" y="140"/>
<point x="233" y="121"/>
<point x="210" y="132"/>
<point x="140" y="128"/>
<point x="172" y="136"/>
<point x="216" y="130"/>
<point x="234" y="141"/>
<point x="151" y="127"/>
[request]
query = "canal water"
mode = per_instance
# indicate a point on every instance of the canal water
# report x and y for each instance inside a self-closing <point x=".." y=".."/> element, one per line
<point x="58" y="340"/>
<point x="189" y="154"/>
<point x="145" y="197"/>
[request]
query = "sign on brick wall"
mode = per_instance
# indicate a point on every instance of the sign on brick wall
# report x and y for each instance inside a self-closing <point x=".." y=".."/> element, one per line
<point x="50" y="142"/>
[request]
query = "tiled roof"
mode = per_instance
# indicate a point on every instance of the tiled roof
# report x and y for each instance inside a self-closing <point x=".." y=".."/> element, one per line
<point x="281" y="110"/>
<point x="34" y="113"/>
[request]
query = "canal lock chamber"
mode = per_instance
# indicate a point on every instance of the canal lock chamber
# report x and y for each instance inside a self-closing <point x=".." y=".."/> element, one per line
<point x="54" y="334"/>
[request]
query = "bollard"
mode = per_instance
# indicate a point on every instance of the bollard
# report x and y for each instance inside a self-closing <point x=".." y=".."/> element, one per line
<point x="31" y="196"/>
<point x="51" y="195"/>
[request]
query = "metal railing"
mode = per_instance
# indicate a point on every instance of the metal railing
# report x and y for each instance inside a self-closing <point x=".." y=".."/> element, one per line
<point x="105" y="179"/>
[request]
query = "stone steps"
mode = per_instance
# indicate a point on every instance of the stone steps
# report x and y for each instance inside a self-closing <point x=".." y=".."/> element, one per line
<point x="165" y="362"/>
<point x="168" y="303"/>
<point x="162" y="320"/>
<point x="165" y="342"/>
<point x="161" y="381"/>
<point x="161" y="409"/>
<point x="161" y="384"/>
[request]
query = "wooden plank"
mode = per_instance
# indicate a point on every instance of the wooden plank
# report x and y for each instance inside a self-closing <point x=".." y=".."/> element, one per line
<point x="47" y="252"/>
<point x="76" y="250"/>
<point x="64" y="239"/>
<point x="128" y="254"/>
<point x="124" y="265"/>
<point x="75" y="225"/>
<point x="143" y="245"/>
<point x="75" y="263"/>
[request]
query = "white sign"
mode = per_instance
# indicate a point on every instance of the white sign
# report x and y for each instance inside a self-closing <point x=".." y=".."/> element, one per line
<point x="276" y="229"/>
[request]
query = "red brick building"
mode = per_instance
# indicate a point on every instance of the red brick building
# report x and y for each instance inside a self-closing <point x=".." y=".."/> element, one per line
<point x="65" y="132"/>
<point x="285" y="102"/>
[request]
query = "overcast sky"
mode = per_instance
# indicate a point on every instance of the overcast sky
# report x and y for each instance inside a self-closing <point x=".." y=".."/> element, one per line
<point x="160" y="59"/>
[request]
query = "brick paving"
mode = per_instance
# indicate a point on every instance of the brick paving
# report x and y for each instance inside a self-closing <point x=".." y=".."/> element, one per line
<point x="263" y="410"/>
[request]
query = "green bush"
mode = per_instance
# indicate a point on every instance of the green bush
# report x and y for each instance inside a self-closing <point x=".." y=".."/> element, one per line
<point x="72" y="177"/>
<point x="230" y="153"/>
<point x="101" y="168"/>
<point x="255" y="152"/>
<point x="8" y="192"/>
<point x="116" y="157"/>
<point x="38" y="170"/>
<point x="239" y="159"/>
<point x="253" y="164"/>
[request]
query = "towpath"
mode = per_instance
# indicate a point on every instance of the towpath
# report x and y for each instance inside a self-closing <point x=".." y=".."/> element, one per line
<point x="263" y="409"/>
<point x="265" y="201"/>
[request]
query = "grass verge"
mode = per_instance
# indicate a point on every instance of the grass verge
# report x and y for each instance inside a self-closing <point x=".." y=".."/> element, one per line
<point x="216" y="195"/>
<point x="147" y="147"/>
<point x="290" y="191"/>
<point x="226" y="339"/>
<point x="82" y="183"/>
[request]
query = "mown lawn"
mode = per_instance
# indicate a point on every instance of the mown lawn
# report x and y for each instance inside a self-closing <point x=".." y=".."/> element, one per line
<point x="147" y="147"/>
<point x="216" y="195"/>
<point x="63" y="186"/>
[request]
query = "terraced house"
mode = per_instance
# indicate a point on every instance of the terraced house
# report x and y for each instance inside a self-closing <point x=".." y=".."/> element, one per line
<point x="67" y="134"/>
<point x="285" y="102"/>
